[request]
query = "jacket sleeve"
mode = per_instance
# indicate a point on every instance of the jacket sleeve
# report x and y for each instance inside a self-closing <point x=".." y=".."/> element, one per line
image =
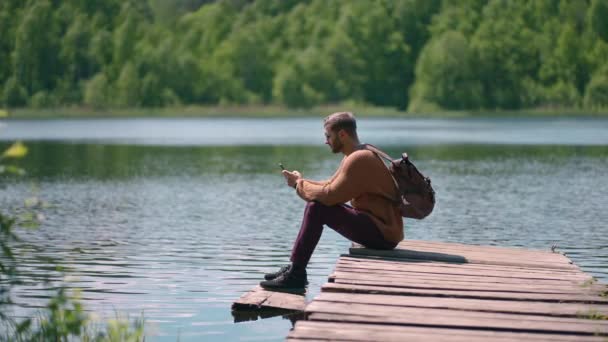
<point x="348" y="183"/>
<point x="316" y="182"/>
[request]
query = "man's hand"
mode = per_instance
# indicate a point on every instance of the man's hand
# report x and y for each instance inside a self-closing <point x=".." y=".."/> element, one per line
<point x="292" y="177"/>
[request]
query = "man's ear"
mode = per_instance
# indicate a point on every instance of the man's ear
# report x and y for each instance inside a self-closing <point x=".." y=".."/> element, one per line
<point x="342" y="134"/>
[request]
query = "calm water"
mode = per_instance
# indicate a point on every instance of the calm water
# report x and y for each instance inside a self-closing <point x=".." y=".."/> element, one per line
<point x="177" y="218"/>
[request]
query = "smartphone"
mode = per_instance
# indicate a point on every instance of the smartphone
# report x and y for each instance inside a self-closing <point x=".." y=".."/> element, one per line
<point x="281" y="166"/>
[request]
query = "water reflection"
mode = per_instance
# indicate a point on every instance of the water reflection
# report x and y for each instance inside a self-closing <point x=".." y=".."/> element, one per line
<point x="308" y="131"/>
<point x="55" y="160"/>
<point x="179" y="232"/>
<point x="253" y="315"/>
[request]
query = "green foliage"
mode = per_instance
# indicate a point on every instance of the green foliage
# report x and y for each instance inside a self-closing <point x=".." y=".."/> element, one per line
<point x="561" y="94"/>
<point x="42" y="99"/>
<point x="596" y="94"/>
<point x="502" y="43"/>
<point x="100" y="49"/>
<point x="14" y="94"/>
<point x="78" y="65"/>
<point x="446" y="75"/>
<point x="9" y="13"/>
<point x="293" y="91"/>
<point x="127" y="87"/>
<point x="244" y="56"/>
<point x="417" y="54"/>
<point x="126" y="35"/>
<point x="598" y="14"/>
<point x="64" y="318"/>
<point x="17" y="150"/>
<point x="8" y="264"/>
<point x="96" y="91"/>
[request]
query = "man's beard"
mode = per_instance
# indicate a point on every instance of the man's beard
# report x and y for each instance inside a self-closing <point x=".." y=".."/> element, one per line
<point x="336" y="146"/>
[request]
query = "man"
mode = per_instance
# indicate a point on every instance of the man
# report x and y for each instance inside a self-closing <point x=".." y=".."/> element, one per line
<point x="373" y="220"/>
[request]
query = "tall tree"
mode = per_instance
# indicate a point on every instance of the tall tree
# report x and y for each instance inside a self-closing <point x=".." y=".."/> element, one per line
<point x="447" y="76"/>
<point x="34" y="59"/>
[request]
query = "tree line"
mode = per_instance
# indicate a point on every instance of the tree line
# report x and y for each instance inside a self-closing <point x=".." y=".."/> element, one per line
<point x="419" y="55"/>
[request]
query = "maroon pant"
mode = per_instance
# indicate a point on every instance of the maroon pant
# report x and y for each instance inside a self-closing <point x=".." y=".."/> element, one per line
<point x="349" y="222"/>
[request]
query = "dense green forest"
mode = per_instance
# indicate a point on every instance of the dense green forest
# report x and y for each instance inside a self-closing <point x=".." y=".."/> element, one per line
<point x="420" y="55"/>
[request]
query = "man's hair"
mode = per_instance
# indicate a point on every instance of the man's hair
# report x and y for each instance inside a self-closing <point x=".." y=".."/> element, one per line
<point x="341" y="120"/>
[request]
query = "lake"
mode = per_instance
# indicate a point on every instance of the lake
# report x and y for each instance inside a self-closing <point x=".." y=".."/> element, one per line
<point x="174" y="219"/>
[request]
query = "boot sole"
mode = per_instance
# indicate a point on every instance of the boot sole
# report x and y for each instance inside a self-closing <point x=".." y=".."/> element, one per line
<point x="293" y="290"/>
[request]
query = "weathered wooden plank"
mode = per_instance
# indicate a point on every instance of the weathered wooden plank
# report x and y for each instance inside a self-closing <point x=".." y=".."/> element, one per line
<point x="409" y="254"/>
<point x="286" y="301"/>
<point x="433" y="269"/>
<point x="486" y="266"/>
<point x="455" y="246"/>
<point x="334" y="331"/>
<point x="444" y="291"/>
<point x="331" y="331"/>
<point x="390" y="290"/>
<point x="449" y="248"/>
<point x="459" y="258"/>
<point x="482" y="251"/>
<point x="470" y="276"/>
<point x="502" y="251"/>
<point x="371" y="313"/>
<point x="584" y="298"/>
<point x="252" y="299"/>
<point x="473" y="284"/>
<point x="258" y="298"/>
<point x="467" y="266"/>
<point x="465" y="304"/>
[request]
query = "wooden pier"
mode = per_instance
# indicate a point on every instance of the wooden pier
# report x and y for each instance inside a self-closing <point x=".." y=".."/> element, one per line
<point x="258" y="298"/>
<point x="432" y="291"/>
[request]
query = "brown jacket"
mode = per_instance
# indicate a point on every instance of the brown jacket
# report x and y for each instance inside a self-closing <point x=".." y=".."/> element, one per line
<point x="364" y="180"/>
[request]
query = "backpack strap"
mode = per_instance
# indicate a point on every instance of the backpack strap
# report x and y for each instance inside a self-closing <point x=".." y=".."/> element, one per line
<point x="379" y="153"/>
<point x="382" y="154"/>
<point x="376" y="151"/>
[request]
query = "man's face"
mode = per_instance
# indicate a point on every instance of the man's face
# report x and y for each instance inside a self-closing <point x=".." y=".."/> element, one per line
<point x="333" y="140"/>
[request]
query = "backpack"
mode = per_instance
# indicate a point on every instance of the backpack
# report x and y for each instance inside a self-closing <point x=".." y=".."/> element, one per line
<point x="416" y="195"/>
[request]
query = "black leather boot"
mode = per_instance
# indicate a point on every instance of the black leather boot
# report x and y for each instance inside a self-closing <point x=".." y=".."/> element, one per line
<point x="294" y="278"/>
<point x="271" y="276"/>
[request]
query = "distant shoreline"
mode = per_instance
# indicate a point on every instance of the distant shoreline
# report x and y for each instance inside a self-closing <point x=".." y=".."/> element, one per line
<point x="270" y="111"/>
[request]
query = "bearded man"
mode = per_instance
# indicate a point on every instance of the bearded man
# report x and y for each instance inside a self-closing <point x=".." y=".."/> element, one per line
<point x="372" y="219"/>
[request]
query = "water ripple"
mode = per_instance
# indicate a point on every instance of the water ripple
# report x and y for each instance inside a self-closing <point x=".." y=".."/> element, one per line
<point x="180" y="246"/>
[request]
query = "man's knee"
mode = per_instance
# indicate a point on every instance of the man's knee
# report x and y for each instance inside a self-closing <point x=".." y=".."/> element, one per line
<point x="315" y="207"/>
<point x="313" y="204"/>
